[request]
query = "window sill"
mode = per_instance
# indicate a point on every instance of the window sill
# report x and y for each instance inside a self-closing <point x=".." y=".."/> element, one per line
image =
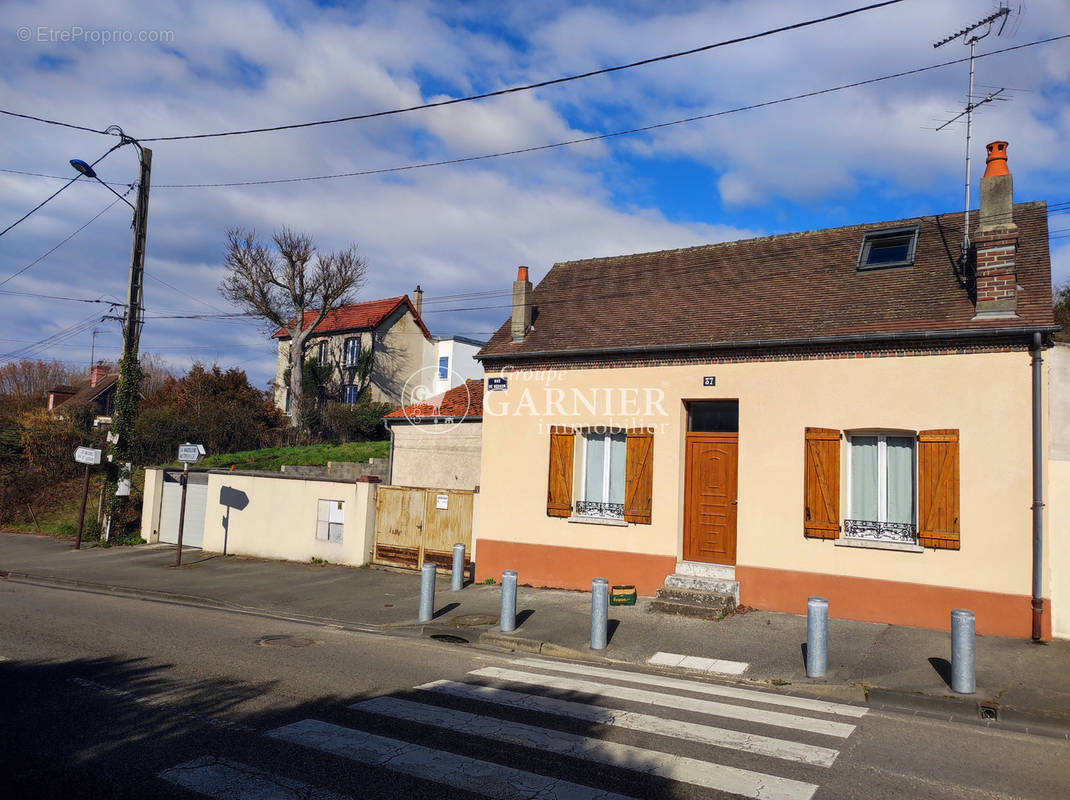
<point x="877" y="544"/>
<point x="618" y="523"/>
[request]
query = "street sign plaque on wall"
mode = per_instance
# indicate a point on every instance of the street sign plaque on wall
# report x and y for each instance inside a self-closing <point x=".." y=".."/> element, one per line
<point x="87" y="455"/>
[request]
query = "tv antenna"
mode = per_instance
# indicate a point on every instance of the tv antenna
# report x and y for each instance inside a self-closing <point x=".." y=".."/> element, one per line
<point x="971" y="36"/>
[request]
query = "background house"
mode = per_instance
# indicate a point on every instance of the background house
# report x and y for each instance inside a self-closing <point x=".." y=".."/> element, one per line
<point x="846" y="412"/>
<point x="97" y="391"/>
<point x="381" y="351"/>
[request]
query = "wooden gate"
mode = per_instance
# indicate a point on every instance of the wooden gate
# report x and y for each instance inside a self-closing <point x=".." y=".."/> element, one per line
<point x="414" y="525"/>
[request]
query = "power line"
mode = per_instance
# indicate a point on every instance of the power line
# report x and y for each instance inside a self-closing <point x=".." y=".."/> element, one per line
<point x="531" y="86"/>
<point x="63" y="242"/>
<point x="51" y="196"/>
<point x="601" y="136"/>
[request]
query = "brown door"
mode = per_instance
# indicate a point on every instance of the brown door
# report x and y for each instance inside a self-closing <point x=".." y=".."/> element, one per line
<point x="710" y="497"/>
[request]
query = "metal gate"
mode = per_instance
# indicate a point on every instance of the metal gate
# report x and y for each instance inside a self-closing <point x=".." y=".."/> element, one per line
<point x="414" y="525"/>
<point x="196" y="503"/>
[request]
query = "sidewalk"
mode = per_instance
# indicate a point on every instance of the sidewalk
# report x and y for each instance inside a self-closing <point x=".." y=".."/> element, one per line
<point x="897" y="668"/>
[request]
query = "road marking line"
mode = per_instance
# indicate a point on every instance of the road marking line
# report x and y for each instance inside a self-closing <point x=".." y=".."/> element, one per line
<point x="715" y="666"/>
<point x="461" y="772"/>
<point x="637" y="759"/>
<point x="713" y="708"/>
<point x="646" y="723"/>
<point x="225" y="779"/>
<point x="770" y="698"/>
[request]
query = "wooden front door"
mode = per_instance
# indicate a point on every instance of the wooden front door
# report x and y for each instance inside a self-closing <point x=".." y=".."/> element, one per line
<point x="710" y="497"/>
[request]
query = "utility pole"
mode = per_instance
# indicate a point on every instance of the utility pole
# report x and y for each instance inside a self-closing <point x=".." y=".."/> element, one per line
<point x="971" y="38"/>
<point x="127" y="390"/>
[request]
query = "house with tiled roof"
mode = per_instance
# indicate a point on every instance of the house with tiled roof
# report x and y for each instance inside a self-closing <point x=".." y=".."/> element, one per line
<point x="436" y="443"/>
<point x="853" y="413"/>
<point x="379" y="350"/>
<point x="97" y="391"/>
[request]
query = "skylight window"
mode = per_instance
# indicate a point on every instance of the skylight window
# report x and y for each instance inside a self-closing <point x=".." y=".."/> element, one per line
<point x="891" y="247"/>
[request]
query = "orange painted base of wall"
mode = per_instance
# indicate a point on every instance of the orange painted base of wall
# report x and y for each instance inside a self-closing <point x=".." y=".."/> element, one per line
<point x="571" y="567"/>
<point x="894" y="602"/>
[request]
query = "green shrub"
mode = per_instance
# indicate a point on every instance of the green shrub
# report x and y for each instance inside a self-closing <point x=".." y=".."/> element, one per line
<point x="361" y="422"/>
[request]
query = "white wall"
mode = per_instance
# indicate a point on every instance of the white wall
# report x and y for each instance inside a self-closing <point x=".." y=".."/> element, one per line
<point x="1057" y="493"/>
<point x="462" y="363"/>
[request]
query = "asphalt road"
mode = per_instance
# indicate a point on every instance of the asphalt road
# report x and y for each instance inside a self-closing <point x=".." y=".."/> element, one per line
<point x="103" y="696"/>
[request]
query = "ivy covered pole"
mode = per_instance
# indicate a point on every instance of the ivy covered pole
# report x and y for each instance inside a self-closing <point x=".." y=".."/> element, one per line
<point x="127" y="390"/>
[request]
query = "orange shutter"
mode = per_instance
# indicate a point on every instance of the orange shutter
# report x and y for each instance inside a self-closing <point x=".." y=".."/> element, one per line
<point x="639" y="476"/>
<point x="821" y="484"/>
<point x="559" y="488"/>
<point x="938" y="489"/>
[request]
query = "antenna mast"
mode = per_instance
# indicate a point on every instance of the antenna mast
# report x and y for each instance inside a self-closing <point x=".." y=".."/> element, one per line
<point x="971" y="38"/>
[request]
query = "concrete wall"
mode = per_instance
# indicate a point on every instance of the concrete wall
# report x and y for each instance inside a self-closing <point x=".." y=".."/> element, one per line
<point x="340" y="470"/>
<point x="444" y="456"/>
<point x="986" y="396"/>
<point x="1057" y="494"/>
<point x="256" y="514"/>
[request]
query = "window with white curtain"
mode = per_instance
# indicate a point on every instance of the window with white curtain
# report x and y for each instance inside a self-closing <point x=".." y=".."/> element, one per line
<point x="602" y="487"/>
<point x="882" y="487"/>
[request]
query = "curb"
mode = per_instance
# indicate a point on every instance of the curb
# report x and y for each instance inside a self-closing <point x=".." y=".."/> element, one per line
<point x="505" y="641"/>
<point x="970" y="711"/>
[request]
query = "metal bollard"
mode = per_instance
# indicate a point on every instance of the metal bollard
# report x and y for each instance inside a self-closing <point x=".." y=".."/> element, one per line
<point x="817" y="632"/>
<point x="457" y="577"/>
<point x="599" y="613"/>
<point x="507" y="618"/>
<point x="427" y="592"/>
<point x="963" y="677"/>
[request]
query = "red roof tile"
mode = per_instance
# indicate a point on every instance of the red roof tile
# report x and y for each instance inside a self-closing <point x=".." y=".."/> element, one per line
<point x="464" y="401"/>
<point x="786" y="287"/>
<point x="357" y="316"/>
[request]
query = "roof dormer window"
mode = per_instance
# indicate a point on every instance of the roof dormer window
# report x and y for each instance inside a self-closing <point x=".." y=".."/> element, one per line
<point x="891" y="247"/>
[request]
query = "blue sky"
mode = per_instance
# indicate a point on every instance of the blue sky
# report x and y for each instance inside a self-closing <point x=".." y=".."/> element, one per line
<point x="172" y="68"/>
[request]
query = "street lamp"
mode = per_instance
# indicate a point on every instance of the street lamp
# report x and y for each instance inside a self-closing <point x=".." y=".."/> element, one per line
<point x="126" y="392"/>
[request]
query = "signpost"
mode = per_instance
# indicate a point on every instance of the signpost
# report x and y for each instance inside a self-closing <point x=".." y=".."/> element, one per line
<point x="88" y="456"/>
<point x="187" y="454"/>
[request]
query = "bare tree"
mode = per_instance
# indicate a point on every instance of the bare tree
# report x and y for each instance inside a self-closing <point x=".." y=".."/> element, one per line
<point x="281" y="284"/>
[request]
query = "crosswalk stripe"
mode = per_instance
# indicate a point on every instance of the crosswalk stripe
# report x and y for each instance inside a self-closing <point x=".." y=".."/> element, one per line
<point x="647" y="679"/>
<point x="224" y="779"/>
<point x="759" y="715"/>
<point x="651" y="762"/>
<point x="646" y="723"/>
<point x="461" y="772"/>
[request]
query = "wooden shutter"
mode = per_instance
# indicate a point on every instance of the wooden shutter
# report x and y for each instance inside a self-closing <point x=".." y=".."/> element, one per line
<point x="639" y="475"/>
<point x="938" y="489"/>
<point x="821" y="484"/>
<point x="559" y="486"/>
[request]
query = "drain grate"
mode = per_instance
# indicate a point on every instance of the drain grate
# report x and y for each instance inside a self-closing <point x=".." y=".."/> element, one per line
<point x="988" y="711"/>
<point x="449" y="638"/>
<point x="285" y="641"/>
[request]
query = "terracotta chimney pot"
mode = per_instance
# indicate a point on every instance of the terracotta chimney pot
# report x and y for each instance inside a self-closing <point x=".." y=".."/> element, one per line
<point x="522" y="273"/>
<point x="997" y="159"/>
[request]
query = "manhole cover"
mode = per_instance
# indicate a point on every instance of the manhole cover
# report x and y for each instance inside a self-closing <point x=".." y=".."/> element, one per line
<point x="471" y="620"/>
<point x="285" y="641"/>
<point x="449" y="638"/>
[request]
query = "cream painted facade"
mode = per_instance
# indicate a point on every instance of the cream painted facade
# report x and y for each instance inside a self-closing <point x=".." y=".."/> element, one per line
<point x="436" y="456"/>
<point x="1058" y="494"/>
<point x="986" y="396"/>
<point x="273" y="516"/>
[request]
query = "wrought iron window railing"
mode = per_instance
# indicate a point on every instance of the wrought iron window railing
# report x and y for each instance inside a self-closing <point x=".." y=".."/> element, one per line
<point x="585" y="508"/>
<point x="902" y="532"/>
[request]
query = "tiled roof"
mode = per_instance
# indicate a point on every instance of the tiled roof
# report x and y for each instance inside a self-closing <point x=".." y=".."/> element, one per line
<point x="87" y="393"/>
<point x="464" y="401"/>
<point x="357" y="316"/>
<point x="791" y="286"/>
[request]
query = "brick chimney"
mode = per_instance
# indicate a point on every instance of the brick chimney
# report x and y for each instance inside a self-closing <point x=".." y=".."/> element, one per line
<point x="418" y="299"/>
<point x="996" y="240"/>
<point x="97" y="374"/>
<point x="521" y="305"/>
